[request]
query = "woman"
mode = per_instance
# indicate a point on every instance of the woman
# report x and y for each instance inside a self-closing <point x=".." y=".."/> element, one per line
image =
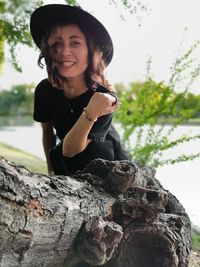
<point x="75" y="103"/>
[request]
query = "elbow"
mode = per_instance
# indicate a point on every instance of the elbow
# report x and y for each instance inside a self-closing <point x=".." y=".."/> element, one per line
<point x="70" y="152"/>
<point x="67" y="153"/>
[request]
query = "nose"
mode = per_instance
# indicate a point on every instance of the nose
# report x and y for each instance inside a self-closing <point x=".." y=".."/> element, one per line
<point x="66" y="50"/>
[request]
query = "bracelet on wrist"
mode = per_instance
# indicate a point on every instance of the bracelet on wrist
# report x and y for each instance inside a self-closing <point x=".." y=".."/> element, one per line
<point x="86" y="115"/>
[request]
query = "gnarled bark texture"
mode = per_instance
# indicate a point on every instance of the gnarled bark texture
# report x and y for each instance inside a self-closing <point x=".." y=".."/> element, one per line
<point x="112" y="214"/>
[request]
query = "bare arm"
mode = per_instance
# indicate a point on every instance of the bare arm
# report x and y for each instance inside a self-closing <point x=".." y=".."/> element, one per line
<point x="76" y="139"/>
<point x="48" y="140"/>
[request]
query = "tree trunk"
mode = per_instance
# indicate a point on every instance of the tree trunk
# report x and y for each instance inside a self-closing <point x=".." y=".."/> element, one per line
<point x="112" y="214"/>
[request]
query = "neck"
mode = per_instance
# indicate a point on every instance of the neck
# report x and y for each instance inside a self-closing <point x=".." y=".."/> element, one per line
<point x="74" y="88"/>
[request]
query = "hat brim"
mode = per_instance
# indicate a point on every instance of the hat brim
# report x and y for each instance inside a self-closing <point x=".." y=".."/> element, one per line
<point x="46" y="16"/>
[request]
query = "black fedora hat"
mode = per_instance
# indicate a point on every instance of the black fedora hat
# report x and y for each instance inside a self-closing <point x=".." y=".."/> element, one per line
<point x="47" y="16"/>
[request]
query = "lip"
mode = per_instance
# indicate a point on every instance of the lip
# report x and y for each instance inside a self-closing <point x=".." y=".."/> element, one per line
<point x="68" y="63"/>
<point x="65" y="65"/>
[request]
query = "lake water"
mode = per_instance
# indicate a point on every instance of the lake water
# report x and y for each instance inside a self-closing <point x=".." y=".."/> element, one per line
<point x="182" y="179"/>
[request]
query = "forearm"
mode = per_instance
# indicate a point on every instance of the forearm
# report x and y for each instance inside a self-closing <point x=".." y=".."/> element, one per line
<point x="76" y="139"/>
<point x="48" y="141"/>
<point x="47" y="145"/>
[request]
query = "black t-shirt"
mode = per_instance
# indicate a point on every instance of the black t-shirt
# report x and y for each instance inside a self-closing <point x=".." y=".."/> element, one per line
<point x="52" y="106"/>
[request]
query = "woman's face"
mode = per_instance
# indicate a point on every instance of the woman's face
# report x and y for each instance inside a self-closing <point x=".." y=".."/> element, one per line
<point x="68" y="50"/>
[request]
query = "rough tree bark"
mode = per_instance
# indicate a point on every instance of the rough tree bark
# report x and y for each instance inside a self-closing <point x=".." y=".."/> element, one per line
<point x="113" y="214"/>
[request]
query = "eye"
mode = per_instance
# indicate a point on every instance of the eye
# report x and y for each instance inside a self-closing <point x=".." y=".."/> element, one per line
<point x="75" y="43"/>
<point x="55" y="46"/>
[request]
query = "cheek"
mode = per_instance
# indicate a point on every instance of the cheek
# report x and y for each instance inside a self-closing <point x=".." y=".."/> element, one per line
<point x="85" y="64"/>
<point x="82" y="67"/>
<point x="85" y="59"/>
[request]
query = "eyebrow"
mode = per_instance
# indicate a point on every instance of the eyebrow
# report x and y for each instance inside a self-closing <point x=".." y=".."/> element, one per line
<point x="75" y="36"/>
<point x="71" y="37"/>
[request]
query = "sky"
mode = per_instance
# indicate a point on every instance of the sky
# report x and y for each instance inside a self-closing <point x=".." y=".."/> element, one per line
<point x="166" y="30"/>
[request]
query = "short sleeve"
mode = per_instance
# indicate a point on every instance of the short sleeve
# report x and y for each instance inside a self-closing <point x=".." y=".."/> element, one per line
<point x="100" y="128"/>
<point x="43" y="102"/>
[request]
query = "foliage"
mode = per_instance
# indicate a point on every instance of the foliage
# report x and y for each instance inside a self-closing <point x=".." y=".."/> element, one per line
<point x="14" y="26"/>
<point x="18" y="100"/>
<point x="196" y="242"/>
<point x="150" y="112"/>
<point x="132" y="6"/>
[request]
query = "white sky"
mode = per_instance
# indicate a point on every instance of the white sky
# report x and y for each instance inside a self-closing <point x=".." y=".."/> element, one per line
<point x="161" y="36"/>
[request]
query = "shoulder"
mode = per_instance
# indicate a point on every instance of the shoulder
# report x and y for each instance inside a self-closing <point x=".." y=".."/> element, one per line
<point x="45" y="88"/>
<point x="44" y="84"/>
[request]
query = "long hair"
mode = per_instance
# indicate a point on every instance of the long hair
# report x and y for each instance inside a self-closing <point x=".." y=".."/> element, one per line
<point x="94" y="74"/>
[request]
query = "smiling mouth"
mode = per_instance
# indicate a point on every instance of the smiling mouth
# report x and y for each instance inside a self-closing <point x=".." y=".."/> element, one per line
<point x="67" y="63"/>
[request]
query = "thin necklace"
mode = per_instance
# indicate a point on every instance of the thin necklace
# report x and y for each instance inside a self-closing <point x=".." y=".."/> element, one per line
<point x="71" y="106"/>
<point x="72" y="103"/>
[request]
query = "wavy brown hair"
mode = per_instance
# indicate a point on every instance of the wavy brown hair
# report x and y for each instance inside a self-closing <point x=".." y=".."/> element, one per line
<point x="94" y="74"/>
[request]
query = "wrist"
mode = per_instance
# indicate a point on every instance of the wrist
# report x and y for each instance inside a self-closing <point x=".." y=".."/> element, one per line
<point x="88" y="117"/>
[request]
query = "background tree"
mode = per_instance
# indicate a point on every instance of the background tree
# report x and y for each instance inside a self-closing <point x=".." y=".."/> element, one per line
<point x="14" y="27"/>
<point x="17" y="101"/>
<point x="148" y="107"/>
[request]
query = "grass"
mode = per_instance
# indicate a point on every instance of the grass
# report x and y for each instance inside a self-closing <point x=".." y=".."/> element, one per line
<point x="23" y="158"/>
<point x="196" y="242"/>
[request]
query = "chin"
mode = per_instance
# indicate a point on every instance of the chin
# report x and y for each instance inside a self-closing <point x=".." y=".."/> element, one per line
<point x="67" y="75"/>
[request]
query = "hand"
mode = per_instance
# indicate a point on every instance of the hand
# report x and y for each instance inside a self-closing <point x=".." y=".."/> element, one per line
<point x="102" y="104"/>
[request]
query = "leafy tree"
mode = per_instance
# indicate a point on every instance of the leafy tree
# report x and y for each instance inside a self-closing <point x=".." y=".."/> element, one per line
<point x="14" y="27"/>
<point x="18" y="100"/>
<point x="190" y="103"/>
<point x="147" y="108"/>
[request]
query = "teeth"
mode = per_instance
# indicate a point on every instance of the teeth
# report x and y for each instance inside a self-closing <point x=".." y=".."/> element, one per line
<point x="68" y="63"/>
